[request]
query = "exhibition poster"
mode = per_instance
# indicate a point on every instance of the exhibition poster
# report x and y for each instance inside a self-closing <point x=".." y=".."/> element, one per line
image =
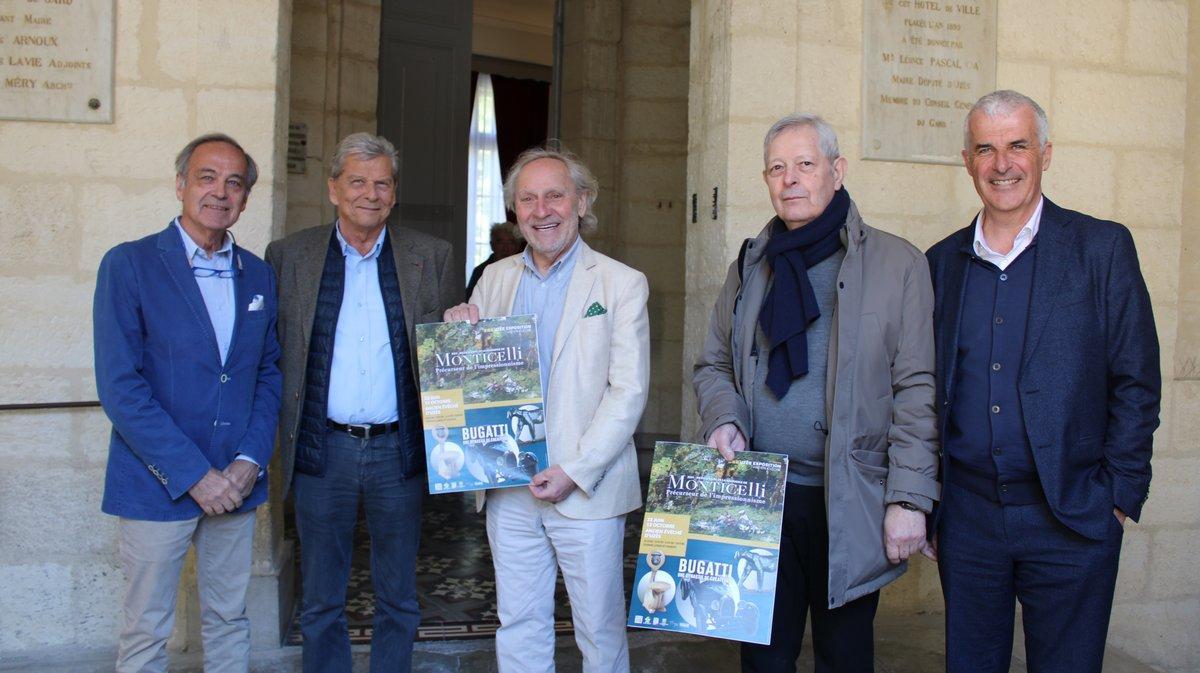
<point x="481" y="403"/>
<point x="709" y="552"/>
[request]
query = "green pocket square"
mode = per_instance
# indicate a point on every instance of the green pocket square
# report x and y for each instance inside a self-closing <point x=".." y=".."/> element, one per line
<point x="595" y="309"/>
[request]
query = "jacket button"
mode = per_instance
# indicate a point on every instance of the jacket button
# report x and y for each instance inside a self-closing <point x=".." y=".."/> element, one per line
<point x="224" y="378"/>
<point x="297" y="396"/>
<point x="841" y="285"/>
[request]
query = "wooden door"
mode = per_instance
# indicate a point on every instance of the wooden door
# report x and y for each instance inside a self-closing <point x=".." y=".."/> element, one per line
<point x="425" y="109"/>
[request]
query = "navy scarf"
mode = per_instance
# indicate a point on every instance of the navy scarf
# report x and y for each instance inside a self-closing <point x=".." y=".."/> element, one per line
<point x="791" y="253"/>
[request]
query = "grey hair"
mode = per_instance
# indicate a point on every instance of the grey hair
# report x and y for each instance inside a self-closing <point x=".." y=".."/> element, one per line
<point x="510" y="227"/>
<point x="826" y="136"/>
<point x="364" y="146"/>
<point x="584" y="181"/>
<point x="1005" y="101"/>
<point x="185" y="156"/>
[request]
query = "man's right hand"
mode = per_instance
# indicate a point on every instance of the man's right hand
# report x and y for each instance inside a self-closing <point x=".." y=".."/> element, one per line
<point x="727" y="439"/>
<point x="468" y="312"/>
<point x="215" y="493"/>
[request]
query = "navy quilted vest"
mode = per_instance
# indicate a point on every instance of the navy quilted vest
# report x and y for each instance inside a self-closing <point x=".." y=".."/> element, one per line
<point x="310" y="443"/>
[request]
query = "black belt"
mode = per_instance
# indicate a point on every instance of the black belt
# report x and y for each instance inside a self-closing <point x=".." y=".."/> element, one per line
<point x="1022" y="492"/>
<point x="363" y="431"/>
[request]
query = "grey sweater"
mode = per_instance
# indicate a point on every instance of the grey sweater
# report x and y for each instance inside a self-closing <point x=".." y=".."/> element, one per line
<point x="796" y="425"/>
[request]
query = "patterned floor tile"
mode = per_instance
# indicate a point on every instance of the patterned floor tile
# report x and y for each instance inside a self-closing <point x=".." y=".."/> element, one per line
<point x="455" y="580"/>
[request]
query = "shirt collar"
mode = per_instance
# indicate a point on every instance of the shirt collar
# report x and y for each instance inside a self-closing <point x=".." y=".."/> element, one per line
<point x="193" y="250"/>
<point x="350" y="251"/>
<point x="567" y="258"/>
<point x="1023" y="238"/>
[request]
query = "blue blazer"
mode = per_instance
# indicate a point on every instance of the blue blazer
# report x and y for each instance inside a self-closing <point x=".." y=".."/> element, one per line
<point x="176" y="410"/>
<point x="1089" y="381"/>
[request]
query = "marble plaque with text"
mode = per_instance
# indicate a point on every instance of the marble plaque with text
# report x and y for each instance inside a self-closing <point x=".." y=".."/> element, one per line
<point x="56" y="60"/>
<point x="925" y="63"/>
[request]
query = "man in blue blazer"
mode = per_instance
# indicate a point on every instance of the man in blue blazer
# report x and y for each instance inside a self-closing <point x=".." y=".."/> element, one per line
<point x="1048" y="388"/>
<point x="187" y="371"/>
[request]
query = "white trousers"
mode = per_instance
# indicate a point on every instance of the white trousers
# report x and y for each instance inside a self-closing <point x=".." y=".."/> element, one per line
<point x="152" y="554"/>
<point x="527" y="536"/>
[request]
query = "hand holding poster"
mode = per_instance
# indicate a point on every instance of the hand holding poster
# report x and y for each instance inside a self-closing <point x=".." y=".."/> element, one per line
<point x="481" y="403"/>
<point x="709" y="552"/>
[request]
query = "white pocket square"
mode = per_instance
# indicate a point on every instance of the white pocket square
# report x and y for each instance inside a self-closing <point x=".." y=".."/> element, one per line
<point x="256" y="303"/>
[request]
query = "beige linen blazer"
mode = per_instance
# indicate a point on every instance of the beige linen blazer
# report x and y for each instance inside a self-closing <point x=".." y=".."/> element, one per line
<point x="599" y="377"/>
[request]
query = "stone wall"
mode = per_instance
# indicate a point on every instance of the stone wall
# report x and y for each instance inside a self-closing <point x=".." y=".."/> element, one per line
<point x="1119" y="81"/>
<point x="69" y="192"/>
<point x="334" y="89"/>
<point x="624" y="112"/>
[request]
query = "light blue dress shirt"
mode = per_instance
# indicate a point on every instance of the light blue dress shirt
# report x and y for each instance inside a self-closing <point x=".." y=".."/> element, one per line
<point x="544" y="296"/>
<point x="218" y="293"/>
<point x="362" y="376"/>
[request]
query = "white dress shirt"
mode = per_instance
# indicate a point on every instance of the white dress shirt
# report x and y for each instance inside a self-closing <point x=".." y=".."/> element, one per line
<point x="1022" y="241"/>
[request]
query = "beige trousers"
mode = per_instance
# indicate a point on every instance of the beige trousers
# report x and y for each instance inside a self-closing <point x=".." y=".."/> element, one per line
<point x="152" y="555"/>
<point x="530" y="541"/>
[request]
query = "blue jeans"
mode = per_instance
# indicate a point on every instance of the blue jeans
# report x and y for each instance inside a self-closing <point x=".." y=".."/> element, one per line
<point x="326" y="509"/>
<point x="992" y="555"/>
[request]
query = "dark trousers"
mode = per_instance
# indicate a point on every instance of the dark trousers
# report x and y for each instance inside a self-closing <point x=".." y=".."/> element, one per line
<point x="326" y="512"/>
<point x="990" y="555"/>
<point x="843" y="638"/>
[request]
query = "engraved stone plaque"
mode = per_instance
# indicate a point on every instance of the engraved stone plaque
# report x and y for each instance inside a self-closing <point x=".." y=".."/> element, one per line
<point x="925" y="63"/>
<point x="56" y="60"/>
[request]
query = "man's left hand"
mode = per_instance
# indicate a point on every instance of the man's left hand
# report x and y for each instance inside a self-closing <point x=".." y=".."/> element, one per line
<point x="243" y="474"/>
<point x="903" y="532"/>
<point x="1121" y="516"/>
<point x="551" y="484"/>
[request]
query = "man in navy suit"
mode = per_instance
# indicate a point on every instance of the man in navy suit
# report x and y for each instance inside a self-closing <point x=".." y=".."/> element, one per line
<point x="187" y="371"/>
<point x="1048" y="387"/>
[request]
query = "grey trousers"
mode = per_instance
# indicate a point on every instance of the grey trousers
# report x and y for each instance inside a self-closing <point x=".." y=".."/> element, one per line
<point x="152" y="554"/>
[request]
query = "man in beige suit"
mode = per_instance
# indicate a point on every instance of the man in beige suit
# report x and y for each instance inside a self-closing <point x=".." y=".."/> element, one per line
<point x="594" y="349"/>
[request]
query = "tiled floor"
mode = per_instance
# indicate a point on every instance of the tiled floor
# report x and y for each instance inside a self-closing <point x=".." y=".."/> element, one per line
<point x="455" y="581"/>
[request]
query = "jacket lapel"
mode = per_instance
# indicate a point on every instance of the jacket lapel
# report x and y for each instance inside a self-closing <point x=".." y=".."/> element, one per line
<point x="510" y="280"/>
<point x="310" y="267"/>
<point x="953" y="286"/>
<point x="409" y="267"/>
<point x="575" y="304"/>
<point x="1048" y="270"/>
<point x="241" y="300"/>
<point x="171" y="252"/>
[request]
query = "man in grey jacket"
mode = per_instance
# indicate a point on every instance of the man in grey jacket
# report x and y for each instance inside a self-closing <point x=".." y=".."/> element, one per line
<point x="820" y="346"/>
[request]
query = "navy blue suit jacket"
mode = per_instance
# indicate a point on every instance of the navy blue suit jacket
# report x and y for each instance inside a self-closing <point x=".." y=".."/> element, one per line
<point x="1089" y="381"/>
<point x="176" y="409"/>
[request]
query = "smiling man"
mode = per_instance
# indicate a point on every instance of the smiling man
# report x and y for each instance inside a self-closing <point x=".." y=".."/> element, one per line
<point x="1049" y="394"/>
<point x="594" y="351"/>
<point x="350" y="429"/>
<point x="186" y="369"/>
<point x="820" y="347"/>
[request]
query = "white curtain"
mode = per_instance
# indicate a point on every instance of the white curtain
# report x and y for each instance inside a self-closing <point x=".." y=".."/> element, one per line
<point x="485" y="194"/>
